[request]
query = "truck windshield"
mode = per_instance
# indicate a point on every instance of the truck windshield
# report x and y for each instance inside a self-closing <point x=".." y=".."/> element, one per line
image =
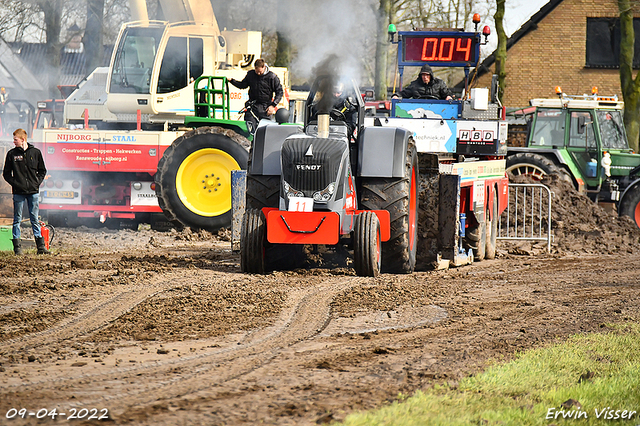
<point x="612" y="130"/>
<point x="549" y="128"/>
<point x="134" y="59"/>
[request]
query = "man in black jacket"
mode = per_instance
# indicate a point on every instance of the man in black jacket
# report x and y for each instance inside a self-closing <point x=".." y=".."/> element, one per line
<point x="24" y="170"/>
<point x="426" y="86"/>
<point x="265" y="92"/>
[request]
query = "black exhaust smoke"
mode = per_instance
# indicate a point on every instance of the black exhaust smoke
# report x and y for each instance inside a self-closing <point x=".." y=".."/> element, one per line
<point x="326" y="73"/>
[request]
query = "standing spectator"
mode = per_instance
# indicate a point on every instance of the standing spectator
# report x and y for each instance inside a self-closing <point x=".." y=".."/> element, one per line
<point x="265" y="92"/>
<point x="24" y="170"/>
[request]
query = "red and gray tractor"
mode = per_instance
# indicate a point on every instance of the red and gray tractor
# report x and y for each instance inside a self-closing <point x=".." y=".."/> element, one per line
<point x="331" y="181"/>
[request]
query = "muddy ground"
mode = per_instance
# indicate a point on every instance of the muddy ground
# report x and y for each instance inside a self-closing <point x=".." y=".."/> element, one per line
<point x="162" y="328"/>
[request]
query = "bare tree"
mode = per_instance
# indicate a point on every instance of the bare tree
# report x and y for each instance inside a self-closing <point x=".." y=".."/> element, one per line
<point x="384" y="13"/>
<point x="17" y="20"/>
<point x="93" y="35"/>
<point x="630" y="86"/>
<point x="501" y="50"/>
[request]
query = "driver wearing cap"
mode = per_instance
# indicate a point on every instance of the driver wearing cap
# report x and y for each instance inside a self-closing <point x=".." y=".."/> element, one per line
<point x="426" y="86"/>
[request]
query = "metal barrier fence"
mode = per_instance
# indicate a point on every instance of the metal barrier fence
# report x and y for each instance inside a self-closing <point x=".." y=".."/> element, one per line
<point x="528" y="214"/>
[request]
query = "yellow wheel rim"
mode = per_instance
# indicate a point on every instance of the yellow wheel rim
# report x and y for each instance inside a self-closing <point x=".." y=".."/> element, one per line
<point x="203" y="182"/>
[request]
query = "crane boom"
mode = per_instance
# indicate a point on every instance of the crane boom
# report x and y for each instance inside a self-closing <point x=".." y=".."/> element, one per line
<point x="176" y="11"/>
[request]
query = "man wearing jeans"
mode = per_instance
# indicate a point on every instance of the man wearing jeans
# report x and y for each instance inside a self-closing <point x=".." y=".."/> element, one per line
<point x="24" y="170"/>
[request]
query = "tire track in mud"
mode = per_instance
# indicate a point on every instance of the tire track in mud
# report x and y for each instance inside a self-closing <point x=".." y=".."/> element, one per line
<point x="93" y="316"/>
<point x="305" y="315"/>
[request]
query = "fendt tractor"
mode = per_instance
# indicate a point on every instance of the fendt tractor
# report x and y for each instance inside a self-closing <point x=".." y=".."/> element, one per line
<point x="338" y="180"/>
<point x="583" y="139"/>
<point x="120" y="122"/>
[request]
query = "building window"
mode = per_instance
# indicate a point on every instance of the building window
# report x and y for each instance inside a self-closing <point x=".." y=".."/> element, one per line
<point x="603" y="43"/>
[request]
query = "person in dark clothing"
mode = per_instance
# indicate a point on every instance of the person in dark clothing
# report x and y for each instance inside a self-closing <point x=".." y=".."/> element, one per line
<point x="24" y="170"/>
<point x="426" y="86"/>
<point x="265" y="92"/>
<point x="346" y="106"/>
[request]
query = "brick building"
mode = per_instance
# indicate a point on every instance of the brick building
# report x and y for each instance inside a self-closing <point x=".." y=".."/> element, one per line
<point x="568" y="43"/>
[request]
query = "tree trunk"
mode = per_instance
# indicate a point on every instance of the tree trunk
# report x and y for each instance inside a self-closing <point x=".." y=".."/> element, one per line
<point x="52" y="11"/>
<point x="93" y="34"/>
<point x="283" y="46"/>
<point x="382" y="50"/>
<point x="501" y="50"/>
<point x="630" y="86"/>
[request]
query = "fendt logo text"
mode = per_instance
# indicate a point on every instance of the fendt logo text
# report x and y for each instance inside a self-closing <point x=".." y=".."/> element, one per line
<point x="308" y="166"/>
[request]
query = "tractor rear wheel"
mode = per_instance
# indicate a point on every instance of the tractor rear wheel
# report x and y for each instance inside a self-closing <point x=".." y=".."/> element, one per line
<point x="252" y="242"/>
<point x="367" y="245"/>
<point x="193" y="182"/>
<point x="535" y="165"/>
<point x="630" y="205"/>
<point x="400" y="197"/>
<point x="492" y="228"/>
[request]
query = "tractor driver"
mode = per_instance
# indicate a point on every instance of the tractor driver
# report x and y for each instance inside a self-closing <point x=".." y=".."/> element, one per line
<point x="425" y="86"/>
<point x="346" y="105"/>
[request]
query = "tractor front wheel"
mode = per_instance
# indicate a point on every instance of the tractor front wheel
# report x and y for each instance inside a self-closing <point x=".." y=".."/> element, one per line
<point x="193" y="182"/>
<point x="400" y="197"/>
<point x="367" y="245"/>
<point x="252" y="242"/>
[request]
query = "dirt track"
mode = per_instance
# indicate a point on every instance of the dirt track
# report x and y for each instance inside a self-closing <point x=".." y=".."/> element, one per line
<point x="162" y="328"/>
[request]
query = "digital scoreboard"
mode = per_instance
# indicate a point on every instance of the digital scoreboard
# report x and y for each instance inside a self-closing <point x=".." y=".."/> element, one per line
<point x="444" y="49"/>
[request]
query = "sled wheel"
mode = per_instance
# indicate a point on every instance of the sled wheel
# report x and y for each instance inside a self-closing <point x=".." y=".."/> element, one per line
<point x="492" y="228"/>
<point x="400" y="197"/>
<point x="630" y="205"/>
<point x="193" y="182"/>
<point x="536" y="166"/>
<point x="252" y="242"/>
<point x="476" y="240"/>
<point x="367" y="245"/>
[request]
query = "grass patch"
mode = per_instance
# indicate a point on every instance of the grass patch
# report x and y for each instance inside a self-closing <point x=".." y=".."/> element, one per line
<point x="601" y="372"/>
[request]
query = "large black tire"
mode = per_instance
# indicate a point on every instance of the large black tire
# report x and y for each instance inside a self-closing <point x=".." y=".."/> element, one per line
<point x="252" y="242"/>
<point x="536" y="166"/>
<point x="160" y="223"/>
<point x="367" y="245"/>
<point x="630" y="205"/>
<point x="400" y="197"/>
<point x="476" y="239"/>
<point x="264" y="191"/>
<point x="492" y="229"/>
<point x="193" y="182"/>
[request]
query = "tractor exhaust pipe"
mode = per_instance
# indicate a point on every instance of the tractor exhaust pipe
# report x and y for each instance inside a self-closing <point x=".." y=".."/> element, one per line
<point x="323" y="125"/>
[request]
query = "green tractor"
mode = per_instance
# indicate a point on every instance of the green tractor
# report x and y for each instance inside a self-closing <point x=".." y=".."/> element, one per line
<point x="193" y="180"/>
<point x="582" y="139"/>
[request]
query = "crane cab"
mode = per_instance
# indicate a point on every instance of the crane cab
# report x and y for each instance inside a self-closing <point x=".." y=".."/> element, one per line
<point x="155" y="64"/>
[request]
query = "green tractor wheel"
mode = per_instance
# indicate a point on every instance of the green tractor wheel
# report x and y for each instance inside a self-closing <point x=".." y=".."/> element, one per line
<point x="630" y="204"/>
<point x="193" y="182"/>
<point x="536" y="166"/>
